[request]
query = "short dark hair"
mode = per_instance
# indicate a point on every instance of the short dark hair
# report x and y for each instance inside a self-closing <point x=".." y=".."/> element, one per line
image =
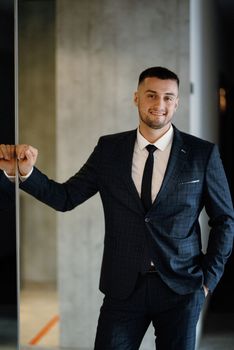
<point x="158" y="72"/>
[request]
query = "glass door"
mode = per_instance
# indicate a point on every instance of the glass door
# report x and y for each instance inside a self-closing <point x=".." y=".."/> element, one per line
<point x="8" y="240"/>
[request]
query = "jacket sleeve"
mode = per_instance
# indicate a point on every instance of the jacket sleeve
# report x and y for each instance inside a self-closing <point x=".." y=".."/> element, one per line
<point x="218" y="204"/>
<point x="7" y="193"/>
<point x="65" y="196"/>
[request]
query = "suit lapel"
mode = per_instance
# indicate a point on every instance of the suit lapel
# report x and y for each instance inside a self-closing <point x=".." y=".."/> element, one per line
<point x="125" y="169"/>
<point x="177" y="159"/>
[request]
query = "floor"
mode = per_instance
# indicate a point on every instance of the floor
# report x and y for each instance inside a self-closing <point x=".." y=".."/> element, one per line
<point x="39" y="316"/>
<point x="40" y="323"/>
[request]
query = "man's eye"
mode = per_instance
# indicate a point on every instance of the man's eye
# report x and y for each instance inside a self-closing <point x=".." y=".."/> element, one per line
<point x="150" y="96"/>
<point x="169" y="98"/>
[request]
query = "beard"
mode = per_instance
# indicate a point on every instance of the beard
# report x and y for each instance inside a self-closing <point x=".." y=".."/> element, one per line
<point x="155" y="122"/>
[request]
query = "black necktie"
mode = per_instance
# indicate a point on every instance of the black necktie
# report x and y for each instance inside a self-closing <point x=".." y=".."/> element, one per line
<point x="146" y="185"/>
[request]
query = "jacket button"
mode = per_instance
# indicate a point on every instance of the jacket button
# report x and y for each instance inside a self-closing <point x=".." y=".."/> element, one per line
<point x="147" y="219"/>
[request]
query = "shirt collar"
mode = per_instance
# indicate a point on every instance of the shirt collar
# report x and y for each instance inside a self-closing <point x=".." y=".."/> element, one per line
<point x="161" y="143"/>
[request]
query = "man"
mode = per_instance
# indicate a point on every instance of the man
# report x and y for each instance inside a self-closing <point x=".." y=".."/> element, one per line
<point x="7" y="191"/>
<point x="153" y="269"/>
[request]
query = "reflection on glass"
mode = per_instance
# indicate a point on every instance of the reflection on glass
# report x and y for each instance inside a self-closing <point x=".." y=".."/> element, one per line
<point x="8" y="270"/>
<point x="39" y="321"/>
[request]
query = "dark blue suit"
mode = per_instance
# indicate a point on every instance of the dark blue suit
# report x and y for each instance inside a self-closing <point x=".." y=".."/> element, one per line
<point x="7" y="193"/>
<point x="194" y="179"/>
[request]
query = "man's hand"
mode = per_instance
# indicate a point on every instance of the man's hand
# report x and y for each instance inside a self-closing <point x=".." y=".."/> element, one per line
<point x="26" y="156"/>
<point x="206" y="290"/>
<point x="7" y="159"/>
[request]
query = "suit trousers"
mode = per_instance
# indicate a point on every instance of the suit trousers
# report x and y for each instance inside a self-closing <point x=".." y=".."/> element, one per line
<point x="123" y="323"/>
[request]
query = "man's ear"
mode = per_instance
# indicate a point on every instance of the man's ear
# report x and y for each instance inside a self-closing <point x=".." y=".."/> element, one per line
<point x="136" y="98"/>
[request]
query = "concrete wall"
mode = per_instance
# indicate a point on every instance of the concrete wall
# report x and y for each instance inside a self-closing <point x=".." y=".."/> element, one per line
<point x="102" y="46"/>
<point x="37" y="127"/>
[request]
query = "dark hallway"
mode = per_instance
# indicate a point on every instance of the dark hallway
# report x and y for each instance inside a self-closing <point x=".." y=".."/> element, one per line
<point x="222" y="299"/>
<point x="218" y="331"/>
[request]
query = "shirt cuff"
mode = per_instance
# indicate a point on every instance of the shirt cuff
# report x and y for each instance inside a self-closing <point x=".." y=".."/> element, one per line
<point x="22" y="178"/>
<point x="10" y="177"/>
<point x="25" y="177"/>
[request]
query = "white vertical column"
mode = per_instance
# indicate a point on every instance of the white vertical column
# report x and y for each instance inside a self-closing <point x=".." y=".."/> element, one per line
<point x="204" y="87"/>
<point x="203" y="70"/>
<point x="204" y="78"/>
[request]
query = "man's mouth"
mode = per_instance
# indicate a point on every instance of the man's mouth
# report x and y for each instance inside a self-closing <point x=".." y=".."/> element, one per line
<point x="157" y="113"/>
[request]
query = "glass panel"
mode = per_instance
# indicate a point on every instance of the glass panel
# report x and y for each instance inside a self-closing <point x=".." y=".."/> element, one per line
<point x="39" y="321"/>
<point x="8" y="260"/>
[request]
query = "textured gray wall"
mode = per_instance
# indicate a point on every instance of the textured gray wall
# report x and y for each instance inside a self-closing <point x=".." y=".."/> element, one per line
<point x="102" y="46"/>
<point x="37" y="127"/>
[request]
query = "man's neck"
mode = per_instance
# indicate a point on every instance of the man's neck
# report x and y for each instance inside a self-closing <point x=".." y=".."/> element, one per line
<point x="152" y="135"/>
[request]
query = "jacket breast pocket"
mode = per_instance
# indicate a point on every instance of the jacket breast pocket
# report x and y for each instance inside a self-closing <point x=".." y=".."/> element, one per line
<point x="190" y="186"/>
<point x="185" y="195"/>
<point x="188" y="193"/>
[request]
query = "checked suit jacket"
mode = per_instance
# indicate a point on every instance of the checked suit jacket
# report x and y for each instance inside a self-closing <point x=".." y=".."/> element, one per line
<point x="194" y="179"/>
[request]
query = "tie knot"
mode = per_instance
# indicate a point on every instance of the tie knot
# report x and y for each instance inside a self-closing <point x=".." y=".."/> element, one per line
<point x="151" y="148"/>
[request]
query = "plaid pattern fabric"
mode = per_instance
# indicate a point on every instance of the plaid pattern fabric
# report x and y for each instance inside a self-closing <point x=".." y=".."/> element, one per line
<point x="194" y="179"/>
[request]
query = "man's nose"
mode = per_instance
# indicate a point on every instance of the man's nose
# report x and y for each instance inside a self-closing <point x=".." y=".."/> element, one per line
<point x="159" y="103"/>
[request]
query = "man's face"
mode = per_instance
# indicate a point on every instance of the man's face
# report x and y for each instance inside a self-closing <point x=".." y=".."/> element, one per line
<point x="157" y="101"/>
